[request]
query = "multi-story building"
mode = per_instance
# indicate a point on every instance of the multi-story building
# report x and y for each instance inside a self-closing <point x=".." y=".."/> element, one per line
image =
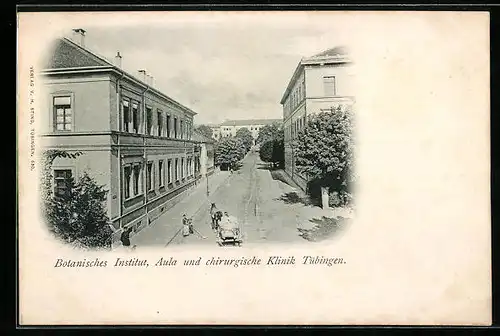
<point x="229" y="127"/>
<point x="319" y="83"/>
<point x="135" y="140"/>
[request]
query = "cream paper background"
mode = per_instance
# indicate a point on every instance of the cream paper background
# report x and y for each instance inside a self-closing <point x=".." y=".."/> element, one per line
<point x="419" y="249"/>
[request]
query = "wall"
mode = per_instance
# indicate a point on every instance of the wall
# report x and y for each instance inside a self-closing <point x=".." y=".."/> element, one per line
<point x="296" y="95"/>
<point x="203" y="160"/>
<point x="130" y="90"/>
<point x="90" y="101"/>
<point x="343" y="79"/>
<point x="95" y="163"/>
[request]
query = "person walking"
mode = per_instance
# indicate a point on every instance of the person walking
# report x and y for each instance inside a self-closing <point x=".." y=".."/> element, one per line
<point x="187" y="228"/>
<point x="125" y="238"/>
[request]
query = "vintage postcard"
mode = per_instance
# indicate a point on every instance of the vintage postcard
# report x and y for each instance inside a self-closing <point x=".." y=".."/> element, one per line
<point x="225" y="167"/>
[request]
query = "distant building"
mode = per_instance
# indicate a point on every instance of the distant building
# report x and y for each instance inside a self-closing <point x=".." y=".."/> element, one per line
<point x="136" y="141"/>
<point x="319" y="83"/>
<point x="229" y="127"/>
<point x="215" y="131"/>
<point x="205" y="164"/>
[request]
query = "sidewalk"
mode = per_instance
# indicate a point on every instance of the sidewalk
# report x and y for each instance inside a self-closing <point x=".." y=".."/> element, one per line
<point x="167" y="225"/>
<point x="300" y="204"/>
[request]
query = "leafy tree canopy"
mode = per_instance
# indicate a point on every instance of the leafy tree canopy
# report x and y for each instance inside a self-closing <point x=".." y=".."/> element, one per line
<point x="266" y="151"/>
<point x="246" y="136"/>
<point x="324" y="150"/>
<point x="229" y="151"/>
<point x="269" y="132"/>
<point x="205" y="130"/>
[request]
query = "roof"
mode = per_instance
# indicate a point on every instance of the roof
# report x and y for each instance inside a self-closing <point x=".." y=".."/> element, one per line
<point x="198" y="137"/>
<point x="250" y="122"/>
<point x="65" y="54"/>
<point x="335" y="55"/>
<point x="340" y="50"/>
<point x="69" y="55"/>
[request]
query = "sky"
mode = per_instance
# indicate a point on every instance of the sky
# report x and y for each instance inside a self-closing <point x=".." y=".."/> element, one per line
<point x="222" y="69"/>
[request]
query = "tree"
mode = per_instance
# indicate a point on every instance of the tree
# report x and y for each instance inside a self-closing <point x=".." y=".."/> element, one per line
<point x="246" y="137"/>
<point x="205" y="130"/>
<point x="278" y="155"/>
<point x="229" y="151"/>
<point x="48" y="158"/>
<point x="78" y="216"/>
<point x="269" y="132"/>
<point x="273" y="151"/>
<point x="266" y="151"/>
<point x="324" y="152"/>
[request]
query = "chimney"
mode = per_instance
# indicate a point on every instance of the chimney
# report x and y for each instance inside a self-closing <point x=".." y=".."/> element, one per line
<point x="148" y="79"/>
<point x="118" y="59"/>
<point x="142" y="75"/>
<point x="79" y="36"/>
<point x="152" y="81"/>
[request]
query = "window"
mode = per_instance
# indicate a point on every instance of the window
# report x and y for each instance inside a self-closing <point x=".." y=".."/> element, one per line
<point x="329" y="85"/>
<point x="135" y="118"/>
<point x="175" y="128"/>
<point x="126" y="116"/>
<point x="168" y="126"/>
<point x="137" y="180"/>
<point x="127" y="174"/>
<point x="169" y="171"/>
<point x="182" y="168"/>
<point x="63" y="117"/>
<point x="160" y="123"/>
<point x="161" y="173"/>
<point x="149" y="120"/>
<point x="182" y="129"/>
<point x="176" y="168"/>
<point x="62" y="182"/>
<point x="149" y="177"/>
<point x="132" y="185"/>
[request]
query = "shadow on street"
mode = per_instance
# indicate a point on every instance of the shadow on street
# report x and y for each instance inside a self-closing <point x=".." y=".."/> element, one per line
<point x="293" y="198"/>
<point x="325" y="228"/>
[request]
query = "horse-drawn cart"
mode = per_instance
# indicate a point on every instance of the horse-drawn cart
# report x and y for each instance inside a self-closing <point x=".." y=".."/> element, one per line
<point x="229" y="232"/>
<point x="226" y="227"/>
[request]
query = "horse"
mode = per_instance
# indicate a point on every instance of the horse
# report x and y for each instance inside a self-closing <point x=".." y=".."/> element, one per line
<point x="215" y="215"/>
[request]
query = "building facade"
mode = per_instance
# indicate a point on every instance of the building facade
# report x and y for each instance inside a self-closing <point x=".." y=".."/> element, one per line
<point x="229" y="127"/>
<point x="205" y="164"/>
<point x="319" y="83"/>
<point x="135" y="140"/>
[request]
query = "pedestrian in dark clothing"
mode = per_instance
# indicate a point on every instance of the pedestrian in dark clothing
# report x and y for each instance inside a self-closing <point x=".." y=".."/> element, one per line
<point x="125" y="237"/>
<point x="187" y="228"/>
